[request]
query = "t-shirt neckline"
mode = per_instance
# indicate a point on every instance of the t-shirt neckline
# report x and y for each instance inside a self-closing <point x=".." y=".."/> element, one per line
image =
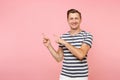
<point x="75" y="34"/>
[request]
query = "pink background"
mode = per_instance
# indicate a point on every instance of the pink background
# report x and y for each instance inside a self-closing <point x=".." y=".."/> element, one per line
<point x="24" y="57"/>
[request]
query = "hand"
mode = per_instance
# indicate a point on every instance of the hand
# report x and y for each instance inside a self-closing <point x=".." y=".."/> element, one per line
<point x="59" y="40"/>
<point x="46" y="40"/>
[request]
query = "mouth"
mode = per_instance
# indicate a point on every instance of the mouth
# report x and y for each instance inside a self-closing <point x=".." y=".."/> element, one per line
<point x="74" y="24"/>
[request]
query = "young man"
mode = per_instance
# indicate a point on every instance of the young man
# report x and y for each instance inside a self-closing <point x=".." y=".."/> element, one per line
<point x="73" y="48"/>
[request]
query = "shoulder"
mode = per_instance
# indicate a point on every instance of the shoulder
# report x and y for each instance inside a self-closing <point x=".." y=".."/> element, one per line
<point x="87" y="33"/>
<point x="88" y="38"/>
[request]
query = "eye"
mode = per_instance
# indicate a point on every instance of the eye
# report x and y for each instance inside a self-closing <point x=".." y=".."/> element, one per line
<point x="76" y="18"/>
<point x="71" y="18"/>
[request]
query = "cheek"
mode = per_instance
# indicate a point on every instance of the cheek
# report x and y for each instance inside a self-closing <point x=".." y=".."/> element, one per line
<point x="69" y="22"/>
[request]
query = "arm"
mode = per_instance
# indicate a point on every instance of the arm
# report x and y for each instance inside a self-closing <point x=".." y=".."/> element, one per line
<point x="58" y="55"/>
<point x="80" y="53"/>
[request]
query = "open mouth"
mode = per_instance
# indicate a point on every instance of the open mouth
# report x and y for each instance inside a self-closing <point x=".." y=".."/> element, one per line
<point x="74" y="24"/>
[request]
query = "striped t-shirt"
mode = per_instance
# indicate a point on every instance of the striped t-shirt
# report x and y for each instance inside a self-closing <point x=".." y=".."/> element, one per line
<point x="72" y="66"/>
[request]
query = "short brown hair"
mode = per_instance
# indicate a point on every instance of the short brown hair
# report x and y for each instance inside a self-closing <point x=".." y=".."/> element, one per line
<point x="73" y="11"/>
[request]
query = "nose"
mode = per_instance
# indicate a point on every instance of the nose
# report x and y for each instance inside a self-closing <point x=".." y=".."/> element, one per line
<point x="73" y="20"/>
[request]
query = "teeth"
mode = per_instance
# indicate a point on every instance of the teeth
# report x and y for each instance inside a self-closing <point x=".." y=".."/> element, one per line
<point x="74" y="24"/>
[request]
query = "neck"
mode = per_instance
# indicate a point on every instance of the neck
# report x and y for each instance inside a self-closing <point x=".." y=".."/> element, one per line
<point x="74" y="32"/>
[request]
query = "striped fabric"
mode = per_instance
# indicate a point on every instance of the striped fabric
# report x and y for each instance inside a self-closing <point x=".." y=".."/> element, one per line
<point x="72" y="66"/>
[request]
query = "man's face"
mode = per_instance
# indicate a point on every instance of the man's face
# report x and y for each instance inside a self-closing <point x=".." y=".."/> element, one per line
<point x="74" y="21"/>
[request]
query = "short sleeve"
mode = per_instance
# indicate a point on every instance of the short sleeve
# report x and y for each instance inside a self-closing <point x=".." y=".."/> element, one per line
<point x="88" y="38"/>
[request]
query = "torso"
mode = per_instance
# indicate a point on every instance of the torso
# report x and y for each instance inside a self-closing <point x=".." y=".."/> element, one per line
<point x="72" y="66"/>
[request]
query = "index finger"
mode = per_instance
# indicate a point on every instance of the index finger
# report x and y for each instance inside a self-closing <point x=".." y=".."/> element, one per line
<point x="44" y="36"/>
<point x="56" y="36"/>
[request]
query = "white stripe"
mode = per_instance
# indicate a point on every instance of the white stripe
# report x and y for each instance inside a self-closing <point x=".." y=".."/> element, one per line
<point x="76" y="67"/>
<point x="81" y="37"/>
<point x="76" y="43"/>
<point x="75" y="64"/>
<point x="66" y="51"/>
<point x="80" y="40"/>
<point x="75" y="61"/>
<point x="76" y="71"/>
<point x="70" y="58"/>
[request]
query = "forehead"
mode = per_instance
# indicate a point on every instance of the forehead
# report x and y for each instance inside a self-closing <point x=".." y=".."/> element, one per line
<point x="73" y="15"/>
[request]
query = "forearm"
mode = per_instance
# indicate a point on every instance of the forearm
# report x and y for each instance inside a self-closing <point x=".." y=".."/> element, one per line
<point x="54" y="53"/>
<point x="79" y="53"/>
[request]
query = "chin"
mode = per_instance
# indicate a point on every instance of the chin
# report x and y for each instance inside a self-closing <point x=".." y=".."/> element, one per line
<point x="74" y="28"/>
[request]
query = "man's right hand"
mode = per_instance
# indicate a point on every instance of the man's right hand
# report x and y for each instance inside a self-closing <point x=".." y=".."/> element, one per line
<point x="46" y="40"/>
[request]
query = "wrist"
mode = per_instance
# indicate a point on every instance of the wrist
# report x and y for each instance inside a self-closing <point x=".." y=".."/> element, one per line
<point x="48" y="46"/>
<point x="64" y="43"/>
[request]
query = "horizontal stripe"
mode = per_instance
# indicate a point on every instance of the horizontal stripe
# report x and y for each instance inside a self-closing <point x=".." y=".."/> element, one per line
<point x="75" y="65"/>
<point x="72" y="58"/>
<point x="75" y="72"/>
<point x="86" y="67"/>
<point x="71" y="39"/>
<point x="74" y="76"/>
<point x="75" y="69"/>
<point x="75" y="62"/>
